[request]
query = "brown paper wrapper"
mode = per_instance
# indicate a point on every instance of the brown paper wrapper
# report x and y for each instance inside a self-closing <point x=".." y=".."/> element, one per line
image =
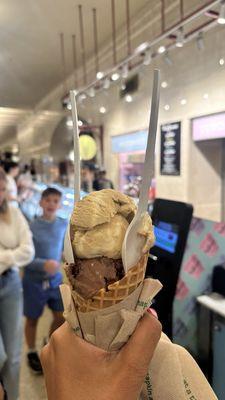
<point x="173" y="374"/>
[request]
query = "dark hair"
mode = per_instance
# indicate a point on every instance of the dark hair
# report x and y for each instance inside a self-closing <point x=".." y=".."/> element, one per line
<point x="4" y="214"/>
<point x="26" y="168"/>
<point x="90" y="166"/>
<point x="3" y="175"/>
<point x="9" y="165"/>
<point x="51" y="190"/>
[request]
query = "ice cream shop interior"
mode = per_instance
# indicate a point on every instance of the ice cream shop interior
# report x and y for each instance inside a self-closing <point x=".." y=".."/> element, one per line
<point x="112" y="197"/>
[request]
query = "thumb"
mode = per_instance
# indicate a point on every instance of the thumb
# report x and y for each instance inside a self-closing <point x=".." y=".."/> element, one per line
<point x="140" y="348"/>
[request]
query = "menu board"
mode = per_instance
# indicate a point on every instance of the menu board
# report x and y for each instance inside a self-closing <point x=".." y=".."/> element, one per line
<point x="170" y="149"/>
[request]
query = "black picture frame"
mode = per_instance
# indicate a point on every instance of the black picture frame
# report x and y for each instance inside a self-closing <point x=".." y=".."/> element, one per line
<point x="170" y="135"/>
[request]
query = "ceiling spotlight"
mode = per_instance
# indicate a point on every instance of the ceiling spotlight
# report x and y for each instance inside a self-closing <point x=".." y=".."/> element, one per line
<point x="161" y="49"/>
<point x="80" y="123"/>
<point x="124" y="73"/>
<point x="69" y="123"/>
<point x="15" y="148"/>
<point x="99" y="75"/>
<point x="200" y="41"/>
<point x="15" y="158"/>
<point x="82" y="97"/>
<point x="102" y="110"/>
<point x="221" y="18"/>
<point x="91" y="92"/>
<point x="164" y="84"/>
<point x="167" y="107"/>
<point x="141" y="48"/>
<point x="71" y="158"/>
<point x="147" y="57"/>
<point x="183" y="102"/>
<point x="106" y="83"/>
<point x="168" y="59"/>
<point x="205" y="96"/>
<point x="221" y="61"/>
<point x="128" y="98"/>
<point x="115" y="76"/>
<point x="180" y="38"/>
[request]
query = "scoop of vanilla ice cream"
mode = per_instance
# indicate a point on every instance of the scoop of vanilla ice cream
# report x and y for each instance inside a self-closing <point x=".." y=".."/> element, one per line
<point x="103" y="240"/>
<point x="100" y="207"/>
<point x="146" y="230"/>
<point x="99" y="223"/>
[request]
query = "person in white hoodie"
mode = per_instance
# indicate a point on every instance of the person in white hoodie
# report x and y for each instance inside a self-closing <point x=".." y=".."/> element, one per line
<point x="12" y="170"/>
<point x="16" y="250"/>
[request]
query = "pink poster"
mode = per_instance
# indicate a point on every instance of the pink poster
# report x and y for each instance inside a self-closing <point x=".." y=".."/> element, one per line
<point x="220" y="228"/>
<point x="182" y="290"/>
<point x="193" y="266"/>
<point x="209" y="245"/>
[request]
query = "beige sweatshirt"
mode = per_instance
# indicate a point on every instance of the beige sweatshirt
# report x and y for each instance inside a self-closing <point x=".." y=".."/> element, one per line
<point x="16" y="245"/>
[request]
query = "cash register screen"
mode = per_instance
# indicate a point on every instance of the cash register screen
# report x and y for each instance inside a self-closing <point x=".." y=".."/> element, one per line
<point x="166" y="235"/>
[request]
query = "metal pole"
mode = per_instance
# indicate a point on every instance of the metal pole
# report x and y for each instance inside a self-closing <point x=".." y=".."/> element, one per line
<point x="62" y="48"/>
<point x="163" y="16"/>
<point x="74" y="60"/>
<point x="82" y="43"/>
<point x="181" y="9"/>
<point x="113" y="31"/>
<point x="128" y="27"/>
<point x="95" y="39"/>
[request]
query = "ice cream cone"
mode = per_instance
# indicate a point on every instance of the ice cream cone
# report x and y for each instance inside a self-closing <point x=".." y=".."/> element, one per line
<point x="117" y="291"/>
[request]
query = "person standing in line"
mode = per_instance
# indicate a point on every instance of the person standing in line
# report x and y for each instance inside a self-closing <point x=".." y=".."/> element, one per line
<point x="42" y="276"/>
<point x="101" y="181"/>
<point x="12" y="170"/>
<point x="16" y="250"/>
<point x="87" y="177"/>
<point x="25" y="184"/>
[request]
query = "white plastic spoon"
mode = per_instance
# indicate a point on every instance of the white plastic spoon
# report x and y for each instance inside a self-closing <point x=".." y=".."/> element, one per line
<point x="133" y="242"/>
<point x="68" y="250"/>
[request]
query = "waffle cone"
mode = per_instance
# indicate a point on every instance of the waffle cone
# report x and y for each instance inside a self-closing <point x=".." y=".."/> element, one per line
<point x="116" y="291"/>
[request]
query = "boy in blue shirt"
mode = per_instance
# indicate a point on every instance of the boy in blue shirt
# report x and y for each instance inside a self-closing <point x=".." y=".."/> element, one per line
<point x="42" y="276"/>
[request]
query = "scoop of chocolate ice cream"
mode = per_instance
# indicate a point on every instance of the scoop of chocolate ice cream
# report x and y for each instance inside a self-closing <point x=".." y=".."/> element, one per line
<point x="88" y="276"/>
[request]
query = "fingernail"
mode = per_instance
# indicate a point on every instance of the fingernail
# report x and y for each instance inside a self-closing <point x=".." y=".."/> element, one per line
<point x="153" y="312"/>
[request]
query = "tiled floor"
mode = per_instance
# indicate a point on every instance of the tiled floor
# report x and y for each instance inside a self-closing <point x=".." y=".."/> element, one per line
<point x="32" y="386"/>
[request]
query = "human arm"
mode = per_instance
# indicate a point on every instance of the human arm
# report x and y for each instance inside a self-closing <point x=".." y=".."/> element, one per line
<point x="43" y="265"/>
<point x="12" y="197"/>
<point x="74" y="368"/>
<point x="23" y="253"/>
<point x="12" y="194"/>
<point x="1" y="392"/>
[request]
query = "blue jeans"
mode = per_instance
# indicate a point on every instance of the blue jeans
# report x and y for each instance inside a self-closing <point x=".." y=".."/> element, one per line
<point x="11" y="308"/>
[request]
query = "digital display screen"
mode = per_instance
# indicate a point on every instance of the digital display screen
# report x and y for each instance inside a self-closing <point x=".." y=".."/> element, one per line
<point x="166" y="236"/>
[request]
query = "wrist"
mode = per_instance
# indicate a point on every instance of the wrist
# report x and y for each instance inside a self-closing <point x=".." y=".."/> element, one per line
<point x="3" y="394"/>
